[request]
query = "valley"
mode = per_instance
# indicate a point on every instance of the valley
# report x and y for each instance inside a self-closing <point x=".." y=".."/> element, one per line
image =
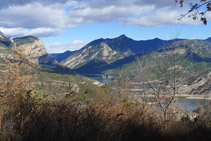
<point x="156" y="74"/>
<point x="105" y="70"/>
<point x="194" y="57"/>
<point x="107" y="60"/>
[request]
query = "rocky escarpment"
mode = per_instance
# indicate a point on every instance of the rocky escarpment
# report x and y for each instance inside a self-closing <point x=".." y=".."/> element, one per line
<point x="32" y="47"/>
<point x="100" y="51"/>
<point x="201" y="85"/>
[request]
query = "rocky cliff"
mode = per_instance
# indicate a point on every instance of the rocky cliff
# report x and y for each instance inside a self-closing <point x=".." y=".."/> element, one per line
<point x="31" y="46"/>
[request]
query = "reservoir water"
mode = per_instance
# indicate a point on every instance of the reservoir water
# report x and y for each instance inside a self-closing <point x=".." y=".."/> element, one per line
<point x="100" y="78"/>
<point x="189" y="104"/>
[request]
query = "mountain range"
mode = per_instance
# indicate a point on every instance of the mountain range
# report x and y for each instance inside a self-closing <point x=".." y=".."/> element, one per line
<point x="105" y="54"/>
<point x="111" y="50"/>
<point x="101" y="55"/>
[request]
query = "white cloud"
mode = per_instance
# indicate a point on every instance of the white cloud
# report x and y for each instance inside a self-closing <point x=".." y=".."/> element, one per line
<point x="156" y="3"/>
<point x="109" y="13"/>
<point x="7" y="3"/>
<point x="159" y="18"/>
<point x="51" y="17"/>
<point x="40" y="32"/>
<point x="33" y="15"/>
<point x="43" y="31"/>
<point x="62" y="47"/>
<point x="35" y="19"/>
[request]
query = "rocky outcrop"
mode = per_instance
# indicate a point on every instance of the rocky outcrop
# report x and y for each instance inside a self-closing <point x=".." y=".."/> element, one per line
<point x="33" y="50"/>
<point x="200" y="85"/>
<point x="30" y="46"/>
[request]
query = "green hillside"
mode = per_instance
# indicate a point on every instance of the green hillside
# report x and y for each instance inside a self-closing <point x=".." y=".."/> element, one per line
<point x="58" y="81"/>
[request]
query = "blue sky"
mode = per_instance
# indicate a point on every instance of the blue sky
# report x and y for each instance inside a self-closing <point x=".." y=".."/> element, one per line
<point x="70" y="24"/>
<point x="90" y="32"/>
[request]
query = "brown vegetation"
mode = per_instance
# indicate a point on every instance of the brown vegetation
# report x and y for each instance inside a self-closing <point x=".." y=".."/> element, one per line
<point x="26" y="117"/>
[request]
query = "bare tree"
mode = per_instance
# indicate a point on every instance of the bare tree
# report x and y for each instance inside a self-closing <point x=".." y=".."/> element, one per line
<point x="121" y="86"/>
<point x="162" y="75"/>
<point x="198" y="9"/>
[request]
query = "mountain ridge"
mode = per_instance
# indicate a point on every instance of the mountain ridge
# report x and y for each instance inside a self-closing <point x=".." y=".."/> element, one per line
<point x="111" y="50"/>
<point x="200" y="50"/>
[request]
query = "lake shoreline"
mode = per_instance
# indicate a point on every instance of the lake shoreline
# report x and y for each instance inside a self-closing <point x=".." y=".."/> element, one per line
<point x="103" y="80"/>
<point x="197" y="97"/>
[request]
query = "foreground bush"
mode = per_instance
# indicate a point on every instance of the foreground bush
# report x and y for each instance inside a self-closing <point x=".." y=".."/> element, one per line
<point x="101" y="121"/>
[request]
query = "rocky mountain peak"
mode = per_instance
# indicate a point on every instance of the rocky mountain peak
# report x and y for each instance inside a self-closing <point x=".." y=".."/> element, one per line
<point x="122" y="37"/>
